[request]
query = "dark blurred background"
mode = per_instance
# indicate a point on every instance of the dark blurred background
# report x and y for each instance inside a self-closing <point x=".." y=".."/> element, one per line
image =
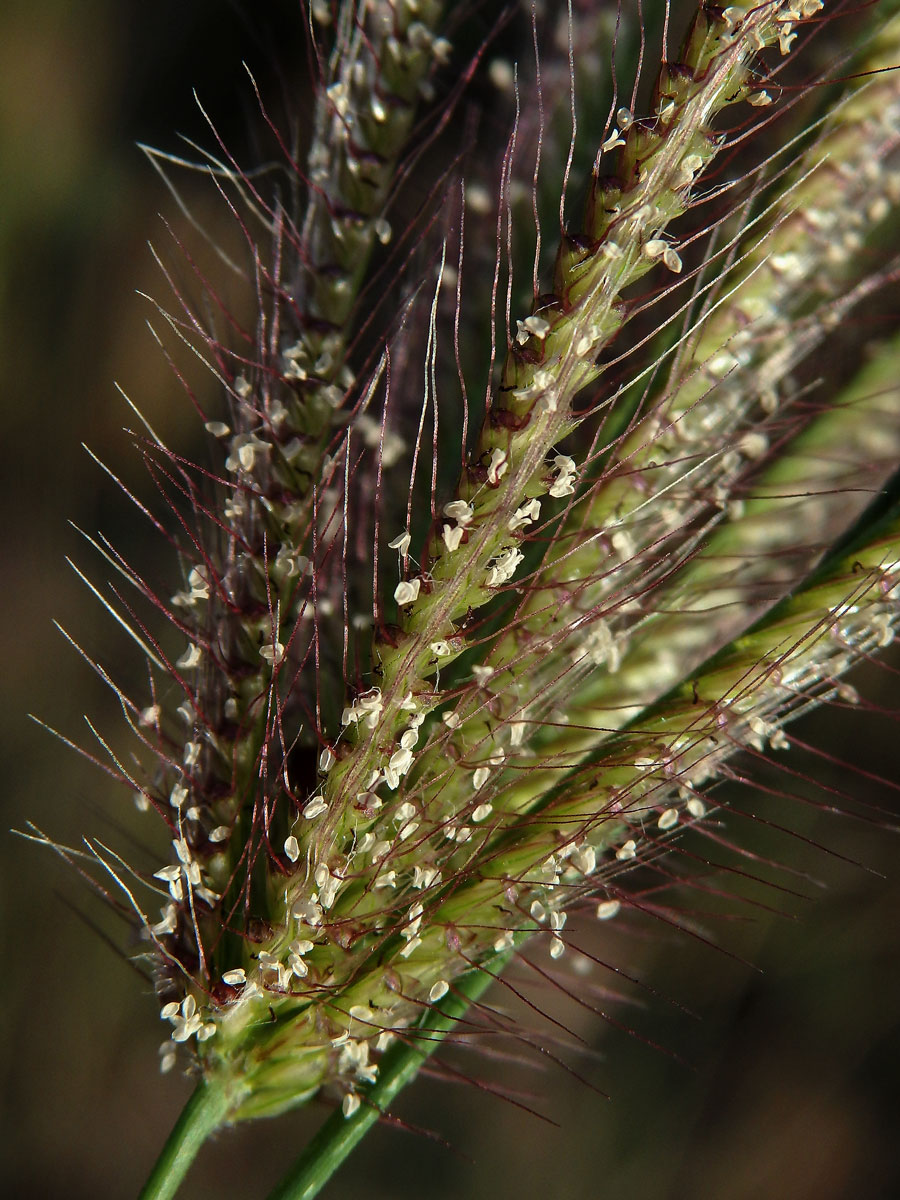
<point x="787" y="1084"/>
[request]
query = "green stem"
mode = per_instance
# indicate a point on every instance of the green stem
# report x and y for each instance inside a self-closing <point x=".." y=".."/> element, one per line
<point x="339" y="1135"/>
<point x="204" y="1113"/>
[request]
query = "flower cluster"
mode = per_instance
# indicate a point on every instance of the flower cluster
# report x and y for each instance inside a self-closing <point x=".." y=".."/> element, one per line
<point x="380" y="786"/>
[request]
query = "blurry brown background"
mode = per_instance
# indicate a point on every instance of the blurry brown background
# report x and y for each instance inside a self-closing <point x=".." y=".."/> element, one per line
<point x="789" y="1084"/>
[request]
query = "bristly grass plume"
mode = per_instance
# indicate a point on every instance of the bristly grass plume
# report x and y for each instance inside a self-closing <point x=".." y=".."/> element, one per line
<point x="551" y="475"/>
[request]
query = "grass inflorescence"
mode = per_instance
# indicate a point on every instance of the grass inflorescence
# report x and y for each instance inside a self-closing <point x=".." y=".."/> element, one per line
<point x="452" y="667"/>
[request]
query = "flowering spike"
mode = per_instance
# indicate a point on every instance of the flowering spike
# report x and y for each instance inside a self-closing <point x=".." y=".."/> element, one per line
<point x="381" y="778"/>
